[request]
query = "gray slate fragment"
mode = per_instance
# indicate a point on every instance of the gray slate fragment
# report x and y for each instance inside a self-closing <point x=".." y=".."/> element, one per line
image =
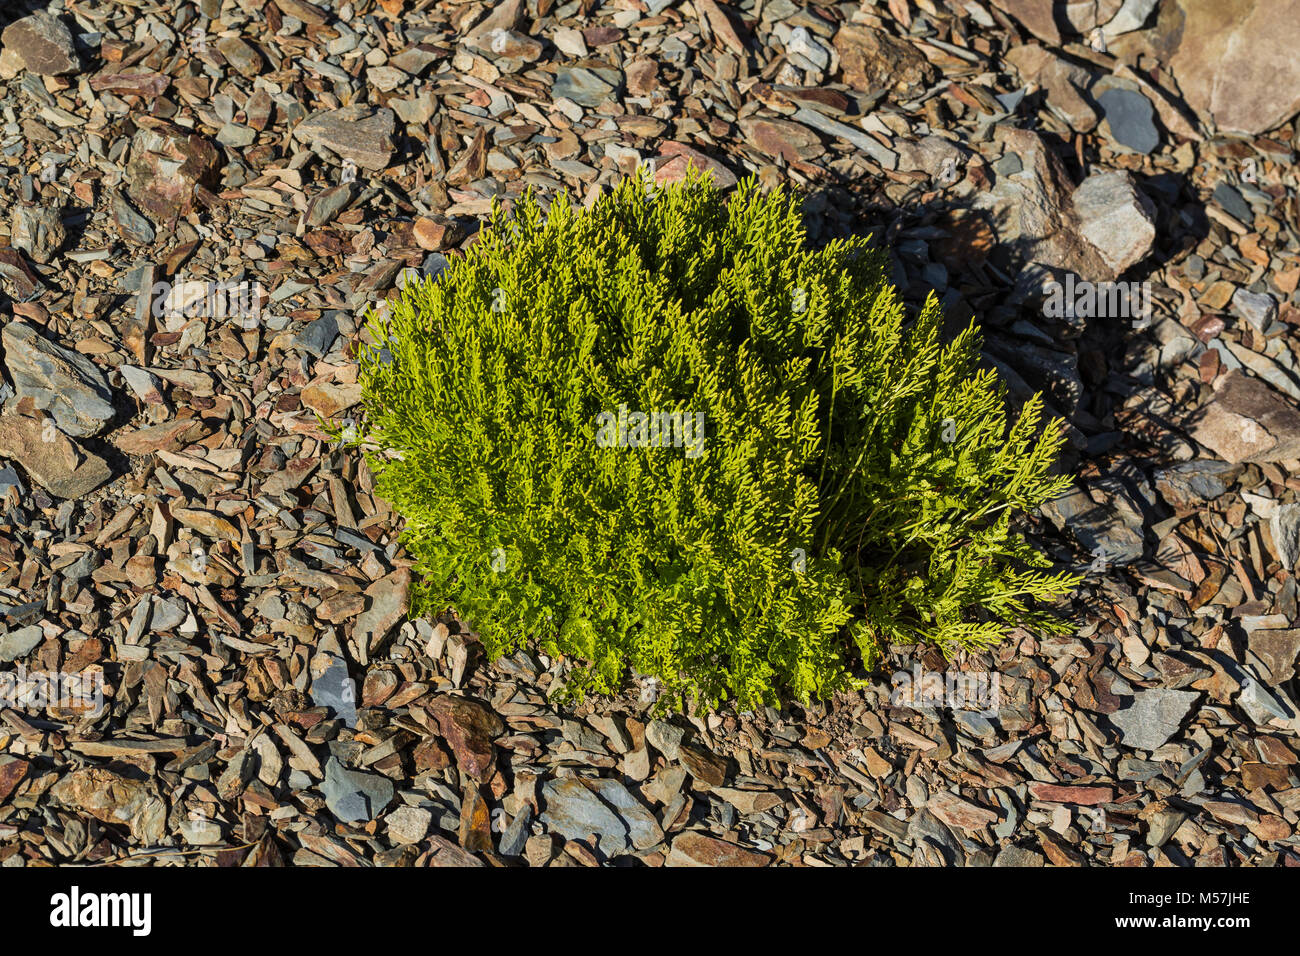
<point x="576" y="813"/>
<point x="358" y="133"/>
<point x="1285" y="525"/>
<point x="1153" y="717"/>
<point x="336" y="690"/>
<point x="643" y="829"/>
<point x="1018" y="856"/>
<point x="586" y="87"/>
<point x="66" y="384"/>
<point x="353" y="796"/>
<point x="1233" y="203"/>
<point x="1257" y="308"/>
<point x="318" y="336"/>
<point x="517" y="833"/>
<point x="21" y="642"/>
<point x="1131" y="119"/>
<point x="38" y="231"/>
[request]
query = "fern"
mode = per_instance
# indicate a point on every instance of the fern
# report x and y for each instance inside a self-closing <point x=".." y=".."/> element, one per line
<point x="853" y="484"/>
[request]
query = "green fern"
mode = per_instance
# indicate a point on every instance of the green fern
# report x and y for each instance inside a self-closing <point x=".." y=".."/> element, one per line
<point x="854" y="485"/>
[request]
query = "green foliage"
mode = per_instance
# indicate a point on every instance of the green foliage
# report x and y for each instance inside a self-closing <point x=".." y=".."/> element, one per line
<point x="854" y="486"/>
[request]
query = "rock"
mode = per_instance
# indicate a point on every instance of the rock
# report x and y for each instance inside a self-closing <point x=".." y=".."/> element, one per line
<point x="58" y="465"/>
<point x="575" y="812"/>
<point x="790" y="141"/>
<point x="1163" y="825"/>
<point x="1115" y="218"/>
<point x="1277" y="649"/>
<point x="206" y="523"/>
<point x="152" y="438"/>
<point x="1018" y="856"/>
<point x="1131" y="119"/>
<point x="749" y="801"/>
<point x="643" y="829"/>
<point x="1233" y="203"/>
<point x="708" y="769"/>
<point x="515" y="837"/>
<point x="1153" y="717"/>
<point x="115" y="799"/>
<point x="1031" y="209"/>
<point x="676" y="159"/>
<point x="359" y="133"/>
<point x="15" y="268"/>
<point x="1191" y="484"/>
<point x="1257" y="308"/>
<point x="1235" y="62"/>
<point x="12" y="772"/>
<point x="587" y="87"/>
<point x="18" y="644"/>
<point x="665" y="738"/>
<point x="475" y="831"/>
<point x="329" y="399"/>
<point x="353" y="796"/>
<point x="334" y="688"/>
<point x="387" y="607"/>
<point x="37" y="231"/>
<point x="1038" y="16"/>
<point x="872" y="60"/>
<point x="469" y="729"/>
<point x="326" y="205"/>
<point x="318" y="336"/>
<point x="39" y="43"/>
<point x="1064" y="83"/>
<point x="167" y="164"/>
<point x="1247" y="421"/>
<point x="1080" y="796"/>
<point x="956" y="812"/>
<point x="1285" y="527"/>
<point x="66" y="384"/>
<point x="693" y="848"/>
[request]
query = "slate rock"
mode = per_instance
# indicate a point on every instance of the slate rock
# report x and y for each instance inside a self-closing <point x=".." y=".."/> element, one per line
<point x="586" y="87"/>
<point x="1131" y="119"/>
<point x="353" y="796"/>
<point x="1257" y="308"/>
<point x="39" y="43"/>
<point x="335" y="689"/>
<point x="21" y="642"/>
<point x="1154" y="716"/>
<point x="59" y="465"/>
<point x="1116" y="218"/>
<point x="66" y="384"/>
<point x="37" y="231"/>
<point x="575" y="812"/>
<point x="359" y="133"/>
<point x="167" y="164"/>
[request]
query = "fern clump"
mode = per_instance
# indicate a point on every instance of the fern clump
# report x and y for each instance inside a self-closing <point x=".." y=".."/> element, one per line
<point x="662" y="434"/>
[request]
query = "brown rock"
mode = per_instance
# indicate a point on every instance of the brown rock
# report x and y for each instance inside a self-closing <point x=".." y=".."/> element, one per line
<point x="167" y="163"/>
<point x="469" y="729"/>
<point x="115" y="799"/>
<point x="40" y="43"/>
<point x="1038" y="16"/>
<point x="475" y="821"/>
<point x="359" y="133"/>
<point x="1082" y="796"/>
<point x="956" y="812"/>
<point x="1236" y="62"/>
<point x="12" y="772"/>
<point x="698" y="849"/>
<point x="872" y="60"/>
<point x="790" y="141"/>
<point x="58" y="464"/>
<point x="1248" y="421"/>
<point x="708" y="769"/>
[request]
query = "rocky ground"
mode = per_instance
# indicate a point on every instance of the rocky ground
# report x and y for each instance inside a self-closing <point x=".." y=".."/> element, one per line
<point x="174" y="522"/>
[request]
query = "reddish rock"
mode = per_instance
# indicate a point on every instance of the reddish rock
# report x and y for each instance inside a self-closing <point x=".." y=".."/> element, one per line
<point x="469" y="729"/>
<point x="1081" y="796"/>
<point x="12" y="772"/>
<point x="699" y="849"/>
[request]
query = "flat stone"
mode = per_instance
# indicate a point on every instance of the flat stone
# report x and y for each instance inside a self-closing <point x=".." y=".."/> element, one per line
<point x="326" y="205"/>
<point x="1038" y="16"/>
<point x="39" y="43"/>
<point x="1081" y="796"/>
<point x="1257" y="308"/>
<point x="1018" y="856"/>
<point x="359" y="133"/>
<point x="665" y="738"/>
<point x="64" y="383"/>
<point x="318" y="336"/>
<point x="1115" y="218"/>
<point x="575" y="812"/>
<point x="693" y="848"/>
<point x="1131" y="119"/>
<point x="37" y="231"/>
<point x="18" y="644"/>
<point x="1235" y="62"/>
<point x="469" y="729"/>
<point x="1153" y="717"/>
<point x="115" y="799"/>
<point x="58" y="465"/>
<point x="334" y="688"/>
<point x="1278" y="648"/>
<point x="643" y="829"/>
<point x="1246" y="420"/>
<point x="167" y="164"/>
<point x="12" y="772"/>
<point x="587" y="87"/>
<point x="956" y="812"/>
<point x="872" y="60"/>
<point x="353" y="796"/>
<point x="1233" y="203"/>
<point x="1284" y="523"/>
